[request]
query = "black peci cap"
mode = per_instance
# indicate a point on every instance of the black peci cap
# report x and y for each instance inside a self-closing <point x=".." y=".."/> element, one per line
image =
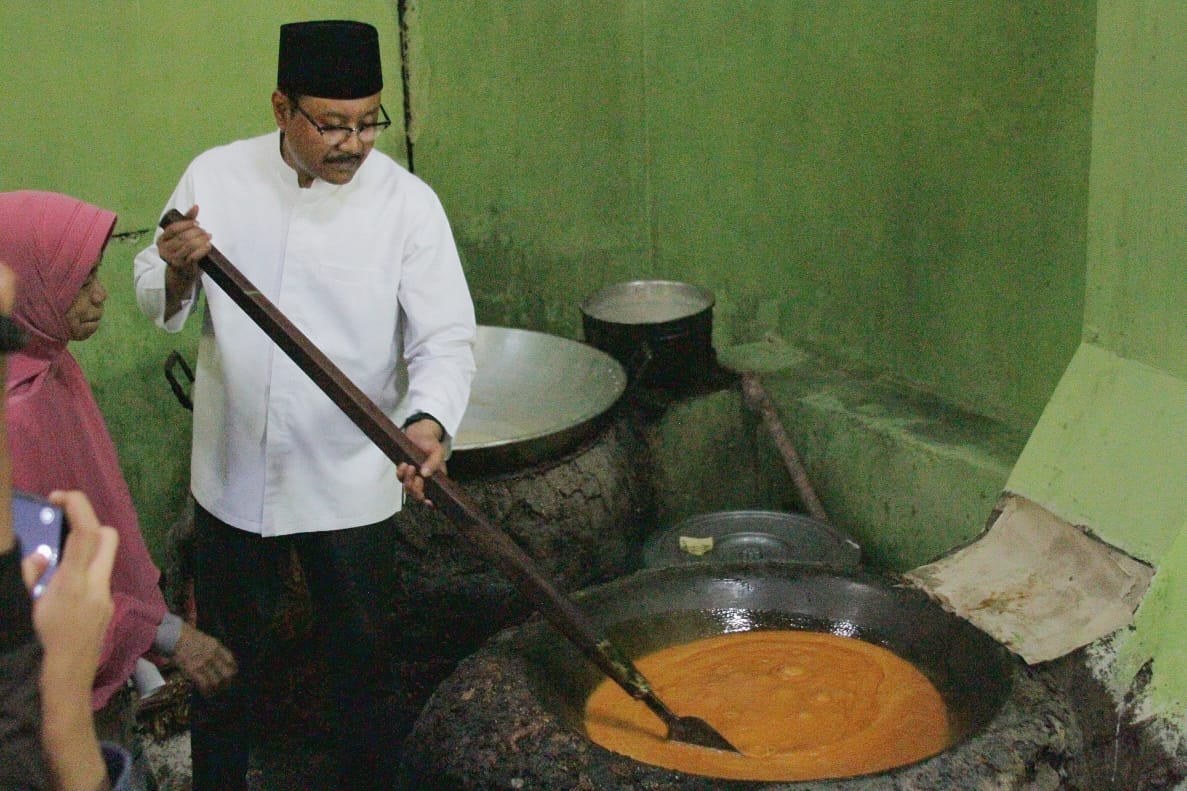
<point x="329" y="59"/>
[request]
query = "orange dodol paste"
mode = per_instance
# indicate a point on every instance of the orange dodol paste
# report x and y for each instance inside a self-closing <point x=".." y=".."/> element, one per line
<point x="798" y="705"/>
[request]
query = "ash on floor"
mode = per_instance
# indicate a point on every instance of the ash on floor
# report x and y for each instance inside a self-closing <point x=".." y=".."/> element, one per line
<point x="292" y="732"/>
<point x="288" y="767"/>
<point x="170" y="761"/>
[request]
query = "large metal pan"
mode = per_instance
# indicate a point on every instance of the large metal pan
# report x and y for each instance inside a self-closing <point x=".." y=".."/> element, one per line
<point x="535" y="396"/>
<point x="655" y="609"/>
<point x="471" y="735"/>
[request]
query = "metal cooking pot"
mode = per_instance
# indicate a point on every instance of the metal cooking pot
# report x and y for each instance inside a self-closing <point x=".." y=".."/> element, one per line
<point x="661" y="330"/>
<point x="534" y="397"/>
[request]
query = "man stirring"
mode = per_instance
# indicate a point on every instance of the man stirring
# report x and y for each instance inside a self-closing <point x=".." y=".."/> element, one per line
<point x="358" y="254"/>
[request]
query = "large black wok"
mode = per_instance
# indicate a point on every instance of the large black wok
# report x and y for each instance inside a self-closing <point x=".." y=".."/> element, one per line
<point x="512" y="712"/>
<point x="648" y="611"/>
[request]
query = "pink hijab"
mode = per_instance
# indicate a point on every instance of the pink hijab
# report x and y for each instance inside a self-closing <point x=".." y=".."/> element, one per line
<point x="56" y="434"/>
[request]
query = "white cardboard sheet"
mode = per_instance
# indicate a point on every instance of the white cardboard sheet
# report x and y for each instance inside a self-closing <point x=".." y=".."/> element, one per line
<point x="1041" y="586"/>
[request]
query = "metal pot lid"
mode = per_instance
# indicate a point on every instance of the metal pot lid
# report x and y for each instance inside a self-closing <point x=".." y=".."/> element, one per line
<point x="751" y="536"/>
<point x="647" y="302"/>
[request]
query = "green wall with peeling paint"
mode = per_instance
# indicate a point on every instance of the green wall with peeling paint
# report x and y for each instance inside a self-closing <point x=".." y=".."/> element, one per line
<point x="1108" y="452"/>
<point x="113" y="99"/>
<point x="901" y="184"/>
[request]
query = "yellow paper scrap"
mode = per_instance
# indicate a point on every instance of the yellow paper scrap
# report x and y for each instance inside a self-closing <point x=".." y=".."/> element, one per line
<point x="696" y="546"/>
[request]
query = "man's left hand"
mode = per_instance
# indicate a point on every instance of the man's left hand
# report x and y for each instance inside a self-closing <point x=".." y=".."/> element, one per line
<point x="425" y="434"/>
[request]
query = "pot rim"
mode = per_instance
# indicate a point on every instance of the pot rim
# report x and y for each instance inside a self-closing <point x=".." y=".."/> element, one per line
<point x="602" y="304"/>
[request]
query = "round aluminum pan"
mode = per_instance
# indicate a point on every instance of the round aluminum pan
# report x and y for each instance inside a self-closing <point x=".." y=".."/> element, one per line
<point x="534" y="397"/>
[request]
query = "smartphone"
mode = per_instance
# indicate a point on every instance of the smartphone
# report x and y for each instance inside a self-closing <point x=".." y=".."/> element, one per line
<point x="40" y="526"/>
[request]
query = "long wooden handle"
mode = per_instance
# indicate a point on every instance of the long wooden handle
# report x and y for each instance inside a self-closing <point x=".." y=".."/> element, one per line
<point x="757" y="399"/>
<point x="503" y="553"/>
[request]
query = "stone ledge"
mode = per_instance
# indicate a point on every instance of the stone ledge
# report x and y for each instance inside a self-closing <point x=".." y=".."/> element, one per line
<point x="907" y="474"/>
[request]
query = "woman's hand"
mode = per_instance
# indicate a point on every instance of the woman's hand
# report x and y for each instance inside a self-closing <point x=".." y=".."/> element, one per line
<point x="203" y="660"/>
<point x="71" y="618"/>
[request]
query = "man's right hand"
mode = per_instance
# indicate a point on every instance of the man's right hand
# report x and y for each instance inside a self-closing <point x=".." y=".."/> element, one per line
<point x="182" y="245"/>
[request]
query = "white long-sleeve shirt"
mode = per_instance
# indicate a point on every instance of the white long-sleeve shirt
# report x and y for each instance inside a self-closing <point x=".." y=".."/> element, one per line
<point x="369" y="272"/>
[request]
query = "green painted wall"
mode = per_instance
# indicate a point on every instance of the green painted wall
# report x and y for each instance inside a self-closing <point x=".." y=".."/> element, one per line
<point x="1108" y="451"/>
<point x="901" y="184"/>
<point x="529" y="120"/>
<point x="1137" y="234"/>
<point x="114" y="99"/>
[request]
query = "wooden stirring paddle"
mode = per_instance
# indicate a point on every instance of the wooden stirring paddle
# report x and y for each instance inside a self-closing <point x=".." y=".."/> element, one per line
<point x="503" y="553"/>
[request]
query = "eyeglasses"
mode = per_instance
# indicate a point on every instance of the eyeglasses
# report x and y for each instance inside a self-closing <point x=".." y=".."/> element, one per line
<point x="337" y="135"/>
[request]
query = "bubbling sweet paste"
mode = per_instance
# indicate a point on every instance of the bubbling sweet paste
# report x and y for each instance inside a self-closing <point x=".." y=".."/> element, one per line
<point x="798" y="705"/>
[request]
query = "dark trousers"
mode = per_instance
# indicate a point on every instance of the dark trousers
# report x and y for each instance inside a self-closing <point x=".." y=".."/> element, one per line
<point x="239" y="588"/>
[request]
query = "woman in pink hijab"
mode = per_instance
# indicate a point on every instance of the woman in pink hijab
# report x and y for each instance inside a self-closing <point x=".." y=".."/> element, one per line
<point x="58" y="439"/>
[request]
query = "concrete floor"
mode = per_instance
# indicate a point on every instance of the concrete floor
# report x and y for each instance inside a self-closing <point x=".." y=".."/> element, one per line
<point x="285" y="769"/>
